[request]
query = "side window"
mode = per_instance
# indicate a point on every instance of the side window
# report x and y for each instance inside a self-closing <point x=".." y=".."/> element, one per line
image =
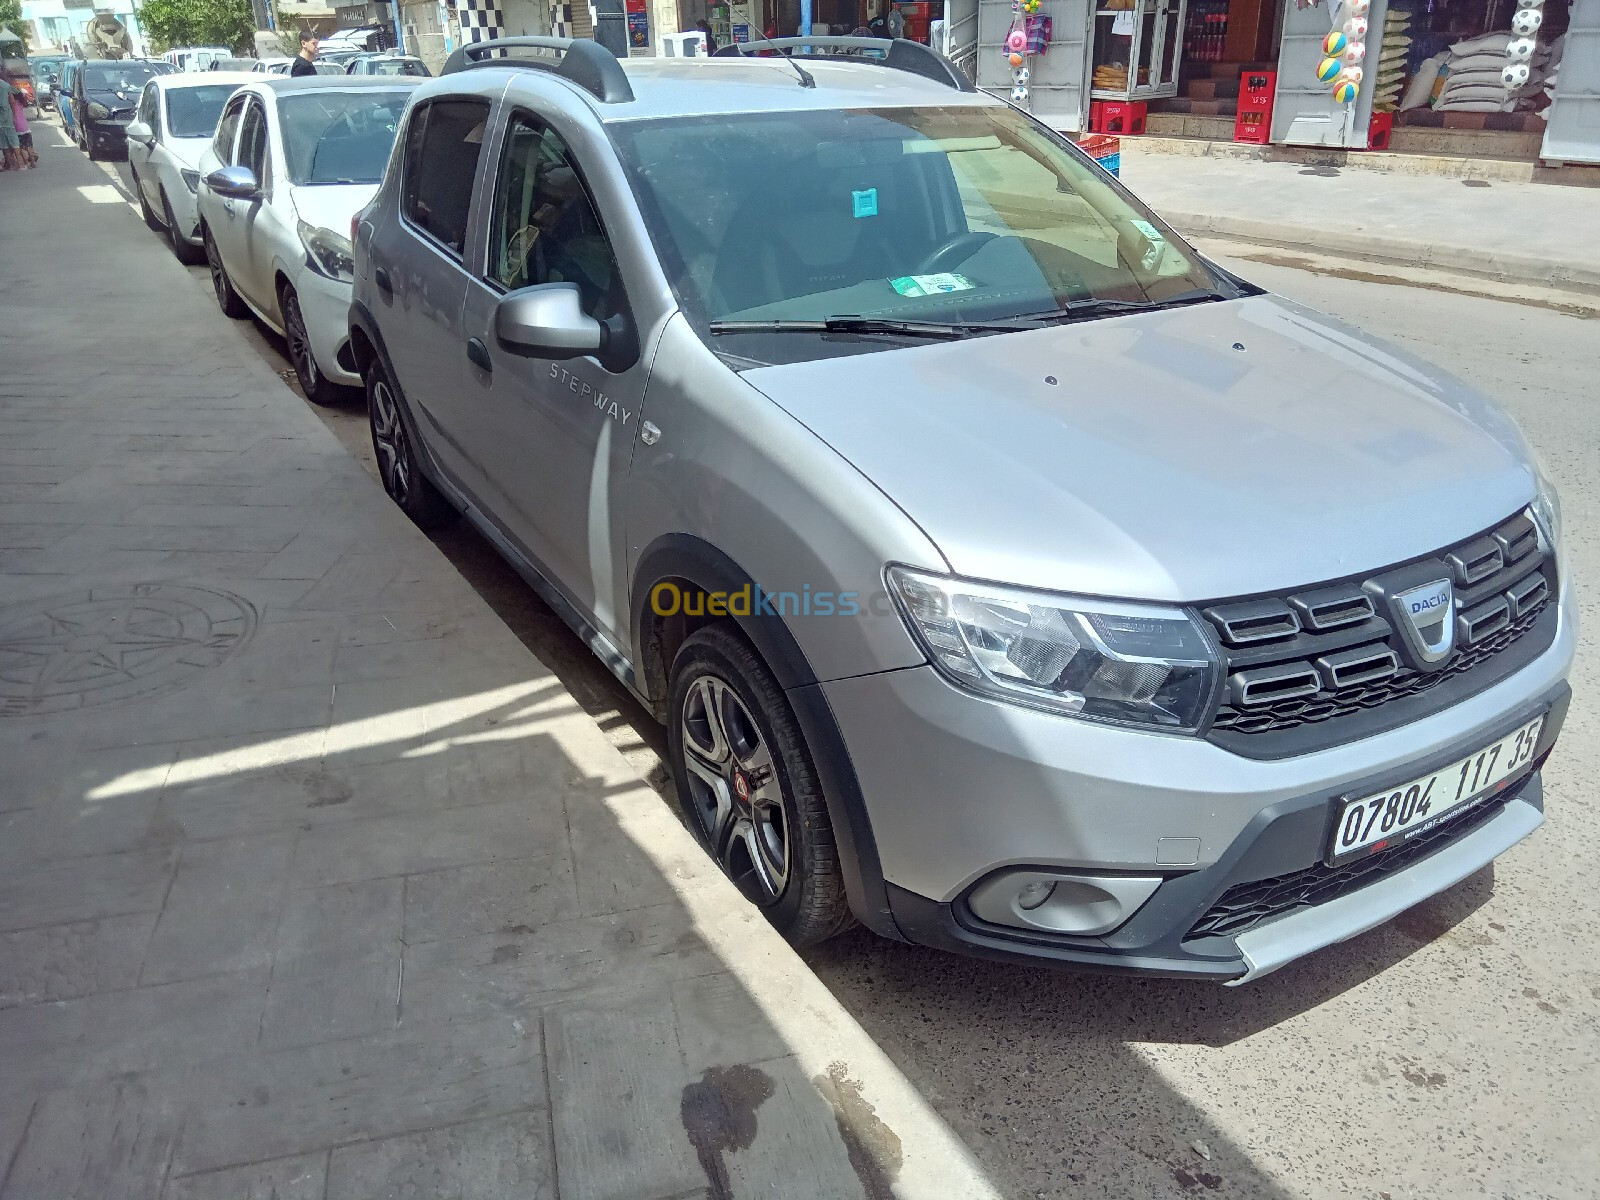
<point x="226" y="128"/>
<point x="147" y="108"/>
<point x="443" y="140"/>
<point x="253" y="141"/>
<point x="545" y="228"/>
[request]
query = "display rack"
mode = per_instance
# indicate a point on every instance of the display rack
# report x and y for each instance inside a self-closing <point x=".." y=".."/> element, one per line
<point x="1137" y="49"/>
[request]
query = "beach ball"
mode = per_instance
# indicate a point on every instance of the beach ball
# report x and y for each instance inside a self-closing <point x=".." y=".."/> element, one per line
<point x="1352" y="74"/>
<point x="1016" y="41"/>
<point x="1327" y="69"/>
<point x="1015" y="59"/>
<point x="1356" y="28"/>
<point x="1360" y="8"/>
<point x="1346" y="92"/>
<point x="1355" y="52"/>
<point x="1019" y="95"/>
<point x="1525" y="22"/>
<point x="1333" y="45"/>
<point x="1521" y="49"/>
<point x="1514" y="75"/>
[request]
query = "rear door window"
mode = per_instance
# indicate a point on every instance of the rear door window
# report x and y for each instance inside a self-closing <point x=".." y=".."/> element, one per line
<point x="443" y="142"/>
<point x="253" y="141"/>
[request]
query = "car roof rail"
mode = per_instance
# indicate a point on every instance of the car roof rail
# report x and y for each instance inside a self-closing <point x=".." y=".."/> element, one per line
<point x="582" y="61"/>
<point x="899" y="54"/>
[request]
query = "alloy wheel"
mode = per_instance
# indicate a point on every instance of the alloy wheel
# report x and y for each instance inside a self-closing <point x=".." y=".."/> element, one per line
<point x="389" y="439"/>
<point x="294" y="331"/>
<point x="734" y="789"/>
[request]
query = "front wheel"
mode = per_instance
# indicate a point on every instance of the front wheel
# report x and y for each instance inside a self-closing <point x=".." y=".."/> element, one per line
<point x="227" y="299"/>
<point x="150" y="221"/>
<point x="318" y="388"/>
<point x="747" y="783"/>
<point x="398" y="468"/>
<point x="181" y="250"/>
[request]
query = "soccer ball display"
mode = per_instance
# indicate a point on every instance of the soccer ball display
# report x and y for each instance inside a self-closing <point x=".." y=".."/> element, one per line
<point x="1514" y="75"/>
<point x="1525" y="22"/>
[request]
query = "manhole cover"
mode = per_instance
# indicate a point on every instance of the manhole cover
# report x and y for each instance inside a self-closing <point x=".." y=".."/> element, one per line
<point x="113" y="644"/>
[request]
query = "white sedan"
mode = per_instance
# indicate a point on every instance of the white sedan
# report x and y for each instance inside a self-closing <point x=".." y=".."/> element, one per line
<point x="170" y="130"/>
<point x="292" y="162"/>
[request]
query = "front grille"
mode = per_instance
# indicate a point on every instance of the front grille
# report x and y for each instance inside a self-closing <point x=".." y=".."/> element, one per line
<point x="1329" y="653"/>
<point x="1246" y="905"/>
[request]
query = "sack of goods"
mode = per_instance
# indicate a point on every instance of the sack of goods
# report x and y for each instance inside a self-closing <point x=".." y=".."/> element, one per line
<point x="1388" y="72"/>
<point x="1479" y="75"/>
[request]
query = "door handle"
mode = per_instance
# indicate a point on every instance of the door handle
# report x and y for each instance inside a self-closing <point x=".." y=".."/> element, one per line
<point x="478" y="355"/>
<point x="381" y="278"/>
<point x="227" y="207"/>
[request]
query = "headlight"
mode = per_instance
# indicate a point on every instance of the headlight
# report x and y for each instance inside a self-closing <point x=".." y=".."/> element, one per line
<point x="1546" y="509"/>
<point x="191" y="179"/>
<point x="97" y="110"/>
<point x="1131" y="664"/>
<point x="328" y="252"/>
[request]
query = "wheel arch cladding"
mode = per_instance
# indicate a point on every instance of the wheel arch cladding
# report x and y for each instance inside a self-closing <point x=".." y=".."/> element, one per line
<point x="693" y="563"/>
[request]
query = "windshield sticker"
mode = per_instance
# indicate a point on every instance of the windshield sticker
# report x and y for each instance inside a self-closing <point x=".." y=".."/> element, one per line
<point x="1149" y="230"/>
<point x="931" y="285"/>
<point x="864" y="203"/>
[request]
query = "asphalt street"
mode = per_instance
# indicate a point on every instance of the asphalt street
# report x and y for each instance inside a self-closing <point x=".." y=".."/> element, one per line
<point x="1453" y="1052"/>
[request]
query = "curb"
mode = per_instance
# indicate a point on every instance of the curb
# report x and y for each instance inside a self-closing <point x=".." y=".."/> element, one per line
<point x="1500" y="266"/>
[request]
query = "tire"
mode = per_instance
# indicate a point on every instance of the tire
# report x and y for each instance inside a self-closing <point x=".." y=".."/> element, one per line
<point x="398" y="466"/>
<point x="181" y="250"/>
<point x="227" y="299"/>
<point x="318" y="388"/>
<point x="151" y="221"/>
<point x="740" y="763"/>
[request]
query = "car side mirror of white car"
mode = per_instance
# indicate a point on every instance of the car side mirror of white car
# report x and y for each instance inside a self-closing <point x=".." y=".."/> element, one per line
<point x="547" y="321"/>
<point x="138" y="131"/>
<point x="238" y="183"/>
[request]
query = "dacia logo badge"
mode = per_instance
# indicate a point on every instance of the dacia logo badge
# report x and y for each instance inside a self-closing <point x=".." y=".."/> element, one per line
<point x="1426" y="617"/>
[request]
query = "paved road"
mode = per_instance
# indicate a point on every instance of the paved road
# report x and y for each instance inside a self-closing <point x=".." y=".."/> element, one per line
<point x="1451" y="1053"/>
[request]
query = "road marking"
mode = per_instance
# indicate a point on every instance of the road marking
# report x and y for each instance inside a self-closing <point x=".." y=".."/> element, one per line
<point x="99" y="193"/>
<point x="122" y="192"/>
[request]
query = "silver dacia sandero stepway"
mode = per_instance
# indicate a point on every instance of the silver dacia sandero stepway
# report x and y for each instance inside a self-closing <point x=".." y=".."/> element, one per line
<point x="1010" y="578"/>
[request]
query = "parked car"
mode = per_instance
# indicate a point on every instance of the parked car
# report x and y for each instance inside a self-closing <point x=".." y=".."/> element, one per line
<point x="173" y="126"/>
<point x="196" y="58"/>
<point x="293" y="160"/>
<point x="387" y="64"/>
<point x="104" y="94"/>
<point x="46" y="69"/>
<point x="65" y="87"/>
<point x="234" y="64"/>
<point x="274" y="66"/>
<point x="1006" y="574"/>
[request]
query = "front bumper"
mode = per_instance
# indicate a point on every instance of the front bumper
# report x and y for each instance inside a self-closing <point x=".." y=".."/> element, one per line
<point x="959" y="789"/>
<point x="325" y="304"/>
<point x="107" y="137"/>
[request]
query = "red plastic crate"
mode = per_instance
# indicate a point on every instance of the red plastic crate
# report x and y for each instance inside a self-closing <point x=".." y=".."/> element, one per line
<point x="1378" y="131"/>
<point x="1124" y="117"/>
<point x="1256" y="92"/>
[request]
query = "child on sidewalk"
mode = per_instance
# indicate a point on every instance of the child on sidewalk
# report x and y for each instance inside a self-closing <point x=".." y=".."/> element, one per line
<point x="27" y="155"/>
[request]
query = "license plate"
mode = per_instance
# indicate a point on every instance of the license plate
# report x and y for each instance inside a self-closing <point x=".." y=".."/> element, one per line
<point x="1395" y="815"/>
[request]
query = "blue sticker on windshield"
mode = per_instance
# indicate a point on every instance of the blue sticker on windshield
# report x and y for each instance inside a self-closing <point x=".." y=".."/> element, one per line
<point x="865" y="203"/>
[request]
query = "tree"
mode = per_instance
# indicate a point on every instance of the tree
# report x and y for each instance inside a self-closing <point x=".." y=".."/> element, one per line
<point x="11" y="18"/>
<point x="197" y="22"/>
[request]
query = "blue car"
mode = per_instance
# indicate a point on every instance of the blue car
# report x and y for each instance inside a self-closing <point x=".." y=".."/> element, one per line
<point x="64" y="87"/>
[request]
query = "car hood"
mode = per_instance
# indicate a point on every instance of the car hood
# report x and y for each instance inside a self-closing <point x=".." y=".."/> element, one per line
<point x="189" y="150"/>
<point x="331" y="205"/>
<point x="113" y="100"/>
<point x="1190" y="454"/>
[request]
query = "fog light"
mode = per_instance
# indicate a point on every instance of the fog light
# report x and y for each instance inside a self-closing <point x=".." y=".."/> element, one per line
<point x="1059" y="901"/>
<point x="1034" y="894"/>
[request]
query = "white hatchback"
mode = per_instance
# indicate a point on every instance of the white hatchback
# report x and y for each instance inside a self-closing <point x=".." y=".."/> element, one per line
<point x="292" y="162"/>
<point x="170" y="130"/>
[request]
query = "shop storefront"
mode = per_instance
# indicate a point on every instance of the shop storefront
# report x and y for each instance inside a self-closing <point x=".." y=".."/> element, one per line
<point x="1337" y="73"/>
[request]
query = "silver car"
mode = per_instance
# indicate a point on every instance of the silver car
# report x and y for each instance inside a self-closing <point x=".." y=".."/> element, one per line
<point x="291" y="163"/>
<point x="1009" y="578"/>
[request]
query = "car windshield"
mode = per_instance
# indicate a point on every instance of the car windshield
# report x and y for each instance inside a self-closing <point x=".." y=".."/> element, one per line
<point x="123" y="77"/>
<point x="396" y="66"/>
<point x="339" y="136"/>
<point x="193" y="111"/>
<point x="950" y="215"/>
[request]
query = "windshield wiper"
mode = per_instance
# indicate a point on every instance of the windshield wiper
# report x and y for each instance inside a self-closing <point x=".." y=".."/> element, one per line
<point x="887" y="325"/>
<point x="1085" y="310"/>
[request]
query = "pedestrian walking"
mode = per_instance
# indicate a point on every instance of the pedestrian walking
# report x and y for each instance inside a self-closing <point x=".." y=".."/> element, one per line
<point x="19" y="122"/>
<point x="304" y="62"/>
<point x="10" y="145"/>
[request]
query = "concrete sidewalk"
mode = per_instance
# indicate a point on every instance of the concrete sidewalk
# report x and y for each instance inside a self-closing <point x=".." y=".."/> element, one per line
<point x="1511" y="232"/>
<point x="314" y="882"/>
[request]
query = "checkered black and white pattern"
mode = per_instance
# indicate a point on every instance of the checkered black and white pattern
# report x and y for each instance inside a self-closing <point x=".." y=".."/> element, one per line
<point x="481" y="20"/>
<point x="561" y="20"/>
